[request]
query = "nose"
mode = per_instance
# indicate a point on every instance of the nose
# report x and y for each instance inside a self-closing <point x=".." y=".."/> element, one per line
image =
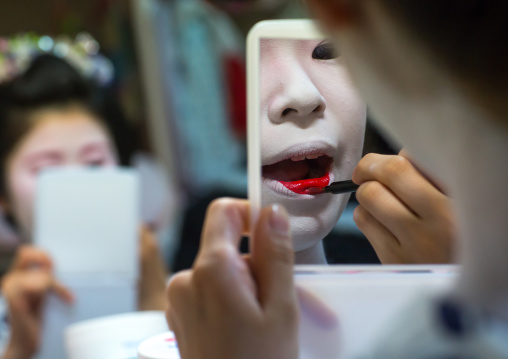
<point x="297" y="99"/>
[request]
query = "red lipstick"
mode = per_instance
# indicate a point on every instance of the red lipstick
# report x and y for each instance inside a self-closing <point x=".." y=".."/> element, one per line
<point x="308" y="186"/>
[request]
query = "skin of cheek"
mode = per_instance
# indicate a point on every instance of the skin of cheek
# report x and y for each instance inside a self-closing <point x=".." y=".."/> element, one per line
<point x="342" y="126"/>
<point x="21" y="187"/>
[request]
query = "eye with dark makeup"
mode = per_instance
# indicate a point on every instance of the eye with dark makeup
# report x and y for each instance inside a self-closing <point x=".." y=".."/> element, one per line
<point x="325" y="51"/>
<point x="95" y="164"/>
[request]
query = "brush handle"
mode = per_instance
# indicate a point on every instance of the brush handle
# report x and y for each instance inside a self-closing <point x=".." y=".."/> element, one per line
<point x="341" y="187"/>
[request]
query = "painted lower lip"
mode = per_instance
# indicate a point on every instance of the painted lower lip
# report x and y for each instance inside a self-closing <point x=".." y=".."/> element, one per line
<point x="278" y="188"/>
<point x="308" y="186"/>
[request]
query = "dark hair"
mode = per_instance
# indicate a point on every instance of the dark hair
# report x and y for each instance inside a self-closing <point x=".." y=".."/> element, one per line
<point x="52" y="82"/>
<point x="468" y="36"/>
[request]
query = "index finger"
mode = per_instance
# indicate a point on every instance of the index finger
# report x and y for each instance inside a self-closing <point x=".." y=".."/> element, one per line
<point x="34" y="283"/>
<point x="28" y="257"/>
<point x="62" y="292"/>
<point x="399" y="175"/>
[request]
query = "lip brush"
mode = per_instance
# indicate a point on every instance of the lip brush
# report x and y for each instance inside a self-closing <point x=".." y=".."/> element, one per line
<point x="339" y="187"/>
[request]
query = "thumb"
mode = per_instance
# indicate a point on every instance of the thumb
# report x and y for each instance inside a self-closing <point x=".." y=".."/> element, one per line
<point x="273" y="258"/>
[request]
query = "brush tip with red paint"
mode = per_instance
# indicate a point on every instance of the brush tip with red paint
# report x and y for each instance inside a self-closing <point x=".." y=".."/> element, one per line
<point x="335" y="188"/>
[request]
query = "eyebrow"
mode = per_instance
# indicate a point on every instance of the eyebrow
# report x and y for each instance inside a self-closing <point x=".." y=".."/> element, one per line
<point x="95" y="146"/>
<point x="44" y="154"/>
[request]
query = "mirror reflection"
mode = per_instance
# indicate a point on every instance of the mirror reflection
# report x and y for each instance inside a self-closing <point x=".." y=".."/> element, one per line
<point x="312" y="133"/>
<point x="313" y="126"/>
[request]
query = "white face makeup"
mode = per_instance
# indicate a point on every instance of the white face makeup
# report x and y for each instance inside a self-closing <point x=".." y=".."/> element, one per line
<point x="312" y="124"/>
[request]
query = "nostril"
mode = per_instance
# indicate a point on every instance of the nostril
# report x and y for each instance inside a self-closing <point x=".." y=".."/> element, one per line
<point x="318" y="109"/>
<point x="287" y="111"/>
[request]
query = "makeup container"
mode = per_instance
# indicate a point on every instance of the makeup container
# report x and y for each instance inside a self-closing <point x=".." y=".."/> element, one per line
<point x="113" y="337"/>
<point x="162" y="346"/>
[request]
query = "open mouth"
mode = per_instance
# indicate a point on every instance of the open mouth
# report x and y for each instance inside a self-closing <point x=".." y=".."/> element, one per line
<point x="302" y="175"/>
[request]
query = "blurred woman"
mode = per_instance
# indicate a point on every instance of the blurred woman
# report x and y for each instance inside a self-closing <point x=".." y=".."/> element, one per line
<point x="50" y="116"/>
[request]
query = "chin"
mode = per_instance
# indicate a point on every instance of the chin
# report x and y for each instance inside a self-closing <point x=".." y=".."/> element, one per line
<point x="311" y="219"/>
<point x="308" y="232"/>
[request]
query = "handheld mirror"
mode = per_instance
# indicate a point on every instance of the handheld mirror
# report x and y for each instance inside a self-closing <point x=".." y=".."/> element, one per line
<point x="306" y="125"/>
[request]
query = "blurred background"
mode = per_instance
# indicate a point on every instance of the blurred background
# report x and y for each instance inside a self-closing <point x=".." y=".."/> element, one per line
<point x="179" y="77"/>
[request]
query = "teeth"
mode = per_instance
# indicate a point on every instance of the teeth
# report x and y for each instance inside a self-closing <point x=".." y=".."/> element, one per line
<point x="303" y="158"/>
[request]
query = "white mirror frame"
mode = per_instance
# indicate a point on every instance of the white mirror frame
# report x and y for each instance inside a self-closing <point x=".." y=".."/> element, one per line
<point x="270" y="29"/>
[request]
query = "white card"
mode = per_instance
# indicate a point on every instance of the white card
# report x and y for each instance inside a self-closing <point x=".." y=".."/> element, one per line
<point x="93" y="300"/>
<point x="88" y="221"/>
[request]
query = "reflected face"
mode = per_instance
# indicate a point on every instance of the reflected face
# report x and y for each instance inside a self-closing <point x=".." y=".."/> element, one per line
<point x="60" y="138"/>
<point x="312" y="131"/>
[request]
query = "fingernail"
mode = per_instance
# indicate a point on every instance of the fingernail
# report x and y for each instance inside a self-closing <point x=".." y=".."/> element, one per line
<point x="279" y="221"/>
